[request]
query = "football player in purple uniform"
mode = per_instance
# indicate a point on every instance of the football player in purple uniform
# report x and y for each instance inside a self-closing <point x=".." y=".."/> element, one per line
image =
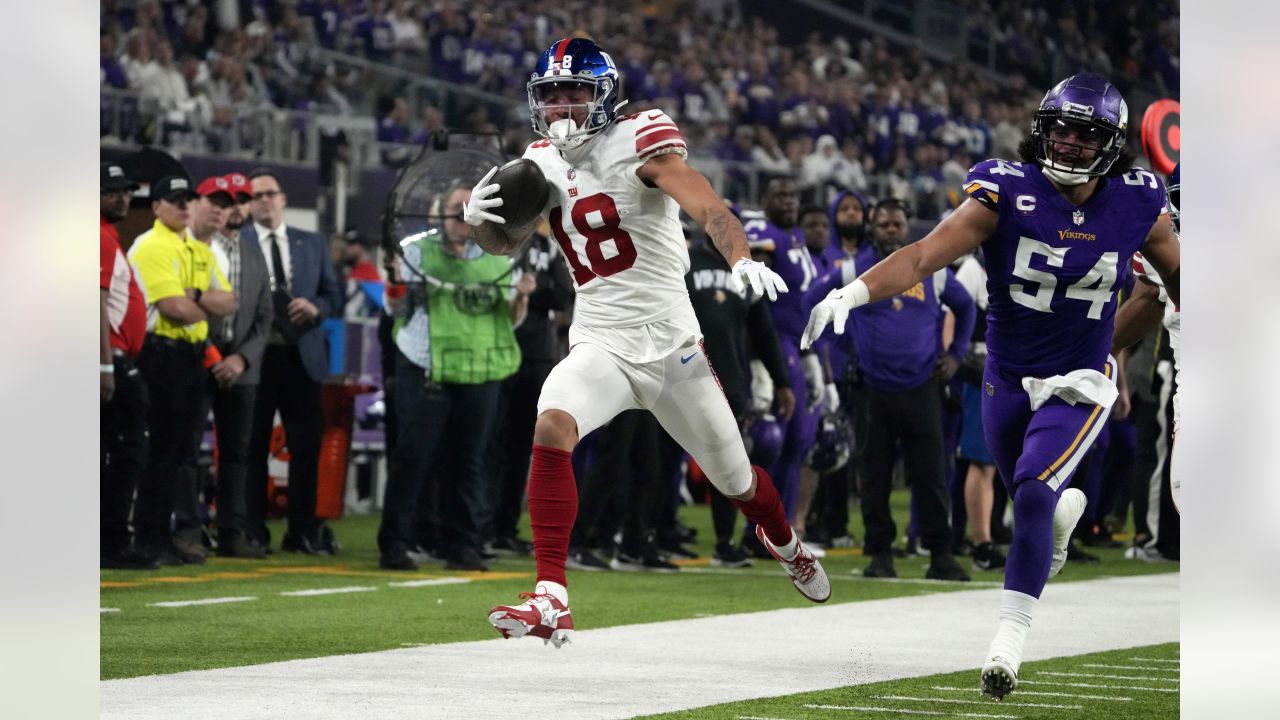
<point x="1058" y="230"/>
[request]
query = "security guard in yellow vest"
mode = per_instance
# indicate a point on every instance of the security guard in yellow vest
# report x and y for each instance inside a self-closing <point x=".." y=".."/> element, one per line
<point x="183" y="287"/>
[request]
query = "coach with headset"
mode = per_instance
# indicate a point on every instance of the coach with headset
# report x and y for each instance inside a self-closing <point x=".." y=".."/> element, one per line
<point x="304" y="291"/>
<point x="901" y="361"/>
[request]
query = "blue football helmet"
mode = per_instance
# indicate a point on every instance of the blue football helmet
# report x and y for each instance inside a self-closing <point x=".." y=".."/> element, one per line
<point x="1175" y="197"/>
<point x="1092" y="107"/>
<point x="578" y="61"/>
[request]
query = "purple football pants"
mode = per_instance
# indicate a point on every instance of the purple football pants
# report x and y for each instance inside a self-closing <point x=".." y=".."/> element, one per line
<point x="800" y="431"/>
<point x="1036" y="453"/>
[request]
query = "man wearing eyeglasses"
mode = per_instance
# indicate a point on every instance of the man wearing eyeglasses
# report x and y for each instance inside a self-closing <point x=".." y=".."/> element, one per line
<point x="183" y="288"/>
<point x="304" y="291"/>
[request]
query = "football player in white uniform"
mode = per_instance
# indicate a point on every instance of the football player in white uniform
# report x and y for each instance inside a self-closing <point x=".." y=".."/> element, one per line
<point x="1151" y="304"/>
<point x="617" y="183"/>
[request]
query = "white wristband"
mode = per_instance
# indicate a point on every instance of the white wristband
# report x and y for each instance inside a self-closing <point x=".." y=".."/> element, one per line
<point x="857" y="294"/>
<point x="106" y="368"/>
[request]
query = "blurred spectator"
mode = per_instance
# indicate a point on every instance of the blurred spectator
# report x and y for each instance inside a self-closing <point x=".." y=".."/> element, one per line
<point x="111" y="72"/>
<point x="374" y="32"/>
<point x="449" y="368"/>
<point x="304" y="292"/>
<point x="183" y="287"/>
<point x="123" y="429"/>
<point x="241" y="339"/>
<point x="406" y="28"/>
<point x="393" y="128"/>
<point x="363" y="286"/>
<point x="432" y="120"/>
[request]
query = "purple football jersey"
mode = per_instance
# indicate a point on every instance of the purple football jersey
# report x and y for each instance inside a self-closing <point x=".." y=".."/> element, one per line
<point x="1053" y="268"/>
<point x="792" y="261"/>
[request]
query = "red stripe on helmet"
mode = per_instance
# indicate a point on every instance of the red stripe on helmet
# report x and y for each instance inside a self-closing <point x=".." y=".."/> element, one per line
<point x="561" y="48"/>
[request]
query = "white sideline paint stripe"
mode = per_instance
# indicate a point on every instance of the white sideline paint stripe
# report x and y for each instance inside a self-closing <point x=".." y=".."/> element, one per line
<point x="857" y="575"/>
<point x="900" y="711"/>
<point x="1108" y="677"/>
<point x="429" y="583"/>
<point x="107" y="610"/>
<point x="759" y="717"/>
<point x="1013" y="703"/>
<point x="1129" y="667"/>
<point x="1045" y="693"/>
<point x="1156" y="660"/>
<point x="204" y="601"/>
<point x="327" y="591"/>
<point x="625" y="671"/>
<point x="1095" y="685"/>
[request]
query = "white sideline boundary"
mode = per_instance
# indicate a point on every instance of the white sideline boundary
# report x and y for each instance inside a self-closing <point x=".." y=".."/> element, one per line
<point x="620" y="672"/>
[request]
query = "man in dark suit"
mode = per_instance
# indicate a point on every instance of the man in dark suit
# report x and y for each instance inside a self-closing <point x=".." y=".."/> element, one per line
<point x="304" y="291"/>
<point x="241" y="339"/>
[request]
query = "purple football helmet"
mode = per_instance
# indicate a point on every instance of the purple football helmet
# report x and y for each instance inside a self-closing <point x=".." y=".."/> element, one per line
<point x="833" y="445"/>
<point x="764" y="439"/>
<point x="579" y="61"/>
<point x="1084" y="113"/>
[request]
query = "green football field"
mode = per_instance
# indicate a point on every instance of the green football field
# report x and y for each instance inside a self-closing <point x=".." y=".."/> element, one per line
<point x="230" y="613"/>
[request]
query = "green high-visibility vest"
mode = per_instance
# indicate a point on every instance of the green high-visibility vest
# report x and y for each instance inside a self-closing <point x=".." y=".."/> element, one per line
<point x="472" y="340"/>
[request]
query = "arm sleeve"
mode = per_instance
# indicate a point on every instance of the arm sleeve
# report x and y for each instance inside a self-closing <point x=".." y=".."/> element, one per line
<point x="962" y="306"/>
<point x="655" y="133"/>
<point x="983" y="182"/>
<point x="255" y="343"/>
<point x="106" y="263"/>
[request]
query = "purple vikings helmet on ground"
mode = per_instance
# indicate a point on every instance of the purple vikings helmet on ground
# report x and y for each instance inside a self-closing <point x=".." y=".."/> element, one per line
<point x="1091" y="109"/>
<point x="574" y="61"/>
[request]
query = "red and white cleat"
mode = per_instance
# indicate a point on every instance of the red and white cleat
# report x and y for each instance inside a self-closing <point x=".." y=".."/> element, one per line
<point x="805" y="570"/>
<point x="540" y="615"/>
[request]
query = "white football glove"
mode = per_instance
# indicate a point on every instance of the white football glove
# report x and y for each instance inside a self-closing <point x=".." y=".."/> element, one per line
<point x="757" y="276"/>
<point x="476" y="211"/>
<point x="834" y="309"/>
<point x="831" y="401"/>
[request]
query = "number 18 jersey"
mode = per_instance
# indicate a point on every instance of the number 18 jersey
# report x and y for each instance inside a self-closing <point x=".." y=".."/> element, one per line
<point x="621" y="238"/>
<point x="1053" y="267"/>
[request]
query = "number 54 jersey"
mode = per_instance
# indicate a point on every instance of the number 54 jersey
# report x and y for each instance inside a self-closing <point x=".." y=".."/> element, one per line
<point x="1053" y="268"/>
<point x="621" y="238"/>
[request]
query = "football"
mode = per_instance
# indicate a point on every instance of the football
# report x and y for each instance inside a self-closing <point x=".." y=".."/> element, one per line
<point x="523" y="190"/>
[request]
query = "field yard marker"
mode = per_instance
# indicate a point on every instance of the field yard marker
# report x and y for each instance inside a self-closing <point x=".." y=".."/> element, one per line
<point x="107" y="610"/>
<point x="1107" y="677"/>
<point x="205" y="601"/>
<point x="1155" y="660"/>
<point x="1045" y="693"/>
<point x="863" y="708"/>
<point x="974" y="702"/>
<point x="429" y="582"/>
<point x="1128" y="667"/>
<point x="327" y="591"/>
<point x="1096" y="686"/>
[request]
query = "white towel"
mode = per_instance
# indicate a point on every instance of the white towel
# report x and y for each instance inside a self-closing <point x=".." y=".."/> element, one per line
<point x="1088" y="386"/>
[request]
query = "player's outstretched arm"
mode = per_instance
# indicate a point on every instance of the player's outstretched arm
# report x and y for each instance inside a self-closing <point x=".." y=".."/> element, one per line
<point x="690" y="189"/>
<point x="1164" y="250"/>
<point x="490" y="230"/>
<point x="963" y="230"/>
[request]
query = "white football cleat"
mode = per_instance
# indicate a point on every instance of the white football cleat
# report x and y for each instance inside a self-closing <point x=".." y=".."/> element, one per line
<point x="540" y="615"/>
<point x="999" y="678"/>
<point x="805" y="571"/>
<point x="1065" y="516"/>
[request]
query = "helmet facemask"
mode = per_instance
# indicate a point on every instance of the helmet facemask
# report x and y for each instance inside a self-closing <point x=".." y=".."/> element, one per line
<point x="566" y="133"/>
<point x="1059" y="135"/>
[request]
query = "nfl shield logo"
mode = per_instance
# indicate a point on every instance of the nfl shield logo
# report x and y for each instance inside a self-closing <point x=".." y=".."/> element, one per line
<point x="572" y="173"/>
<point x="1077" y="217"/>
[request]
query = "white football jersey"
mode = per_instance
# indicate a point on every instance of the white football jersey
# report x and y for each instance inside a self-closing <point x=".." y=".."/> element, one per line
<point x="621" y="239"/>
<point x="1172" y="318"/>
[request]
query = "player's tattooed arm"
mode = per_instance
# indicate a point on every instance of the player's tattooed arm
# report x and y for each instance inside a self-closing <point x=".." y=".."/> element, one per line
<point x="690" y="189"/>
<point x="496" y="240"/>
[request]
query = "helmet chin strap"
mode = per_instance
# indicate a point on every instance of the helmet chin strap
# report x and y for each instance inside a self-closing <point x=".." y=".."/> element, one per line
<point x="1063" y="177"/>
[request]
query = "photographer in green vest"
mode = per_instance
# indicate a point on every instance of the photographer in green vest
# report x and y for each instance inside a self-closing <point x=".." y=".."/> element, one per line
<point x="454" y="307"/>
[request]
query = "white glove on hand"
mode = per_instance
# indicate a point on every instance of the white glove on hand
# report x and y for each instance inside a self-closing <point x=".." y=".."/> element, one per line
<point x="834" y="309"/>
<point x="831" y="401"/>
<point x="757" y="276"/>
<point x="812" y="379"/>
<point x="476" y="211"/>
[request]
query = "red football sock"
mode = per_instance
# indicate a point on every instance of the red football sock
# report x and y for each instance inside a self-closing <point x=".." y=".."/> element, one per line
<point x="553" y="506"/>
<point x="765" y="509"/>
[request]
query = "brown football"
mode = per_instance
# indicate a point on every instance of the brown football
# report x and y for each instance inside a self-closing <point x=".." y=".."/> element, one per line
<point x="523" y="190"/>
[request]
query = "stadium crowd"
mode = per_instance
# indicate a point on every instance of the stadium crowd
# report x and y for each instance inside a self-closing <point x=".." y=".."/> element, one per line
<point x="833" y="123"/>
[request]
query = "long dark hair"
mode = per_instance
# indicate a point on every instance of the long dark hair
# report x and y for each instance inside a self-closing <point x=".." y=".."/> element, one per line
<point x="1124" y="161"/>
